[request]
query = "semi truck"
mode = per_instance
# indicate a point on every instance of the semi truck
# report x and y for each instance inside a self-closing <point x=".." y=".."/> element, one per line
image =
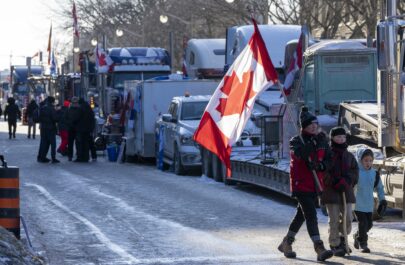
<point x="131" y="63"/>
<point x="377" y="123"/>
<point x="205" y="58"/>
<point x="380" y="124"/>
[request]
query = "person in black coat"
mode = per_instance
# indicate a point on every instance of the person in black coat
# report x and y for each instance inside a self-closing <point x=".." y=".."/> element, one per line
<point x="11" y="114"/>
<point x="84" y="128"/>
<point x="32" y="107"/>
<point x="72" y="118"/>
<point x="48" y="119"/>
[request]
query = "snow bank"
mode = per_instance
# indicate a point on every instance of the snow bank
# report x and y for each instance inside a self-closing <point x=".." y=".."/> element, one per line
<point x="12" y="251"/>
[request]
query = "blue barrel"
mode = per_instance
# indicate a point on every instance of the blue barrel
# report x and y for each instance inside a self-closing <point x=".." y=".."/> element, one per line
<point x="112" y="151"/>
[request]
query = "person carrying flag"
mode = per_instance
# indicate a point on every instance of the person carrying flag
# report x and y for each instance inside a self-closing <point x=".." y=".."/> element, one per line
<point x="309" y="152"/>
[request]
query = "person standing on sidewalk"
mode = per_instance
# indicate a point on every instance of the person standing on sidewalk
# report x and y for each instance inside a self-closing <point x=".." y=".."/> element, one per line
<point x="309" y="152"/>
<point x="48" y="119"/>
<point x="340" y="179"/>
<point x="63" y="128"/>
<point x="32" y="107"/>
<point x="11" y="114"/>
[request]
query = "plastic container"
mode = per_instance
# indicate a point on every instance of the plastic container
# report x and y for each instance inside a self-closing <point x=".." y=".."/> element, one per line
<point x="113" y="151"/>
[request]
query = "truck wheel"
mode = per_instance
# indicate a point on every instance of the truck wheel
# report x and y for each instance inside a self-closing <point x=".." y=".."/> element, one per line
<point x="206" y="162"/>
<point x="216" y="169"/>
<point x="226" y="180"/>
<point x="177" y="166"/>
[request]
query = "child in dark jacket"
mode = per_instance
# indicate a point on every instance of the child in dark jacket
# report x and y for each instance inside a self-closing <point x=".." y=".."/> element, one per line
<point x="340" y="179"/>
<point x="369" y="180"/>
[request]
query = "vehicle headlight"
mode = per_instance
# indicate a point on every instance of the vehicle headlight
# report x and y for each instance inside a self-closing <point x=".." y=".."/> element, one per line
<point x="186" y="139"/>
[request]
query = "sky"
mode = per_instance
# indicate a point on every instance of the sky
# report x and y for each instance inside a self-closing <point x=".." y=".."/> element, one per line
<point x="24" y="28"/>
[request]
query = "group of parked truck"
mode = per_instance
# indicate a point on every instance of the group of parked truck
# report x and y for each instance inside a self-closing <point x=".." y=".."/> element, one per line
<point x="344" y="82"/>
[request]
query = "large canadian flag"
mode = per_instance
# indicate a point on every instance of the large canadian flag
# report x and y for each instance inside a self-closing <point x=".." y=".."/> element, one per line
<point x="295" y="65"/>
<point x="231" y="104"/>
<point x="103" y="60"/>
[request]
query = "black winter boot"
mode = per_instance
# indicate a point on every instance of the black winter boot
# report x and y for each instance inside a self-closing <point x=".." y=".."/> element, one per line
<point x="364" y="247"/>
<point x="320" y="250"/>
<point x="338" y="251"/>
<point x="286" y="247"/>
<point x="343" y="245"/>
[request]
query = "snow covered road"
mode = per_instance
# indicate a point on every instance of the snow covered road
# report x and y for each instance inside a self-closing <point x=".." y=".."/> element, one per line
<point x="109" y="213"/>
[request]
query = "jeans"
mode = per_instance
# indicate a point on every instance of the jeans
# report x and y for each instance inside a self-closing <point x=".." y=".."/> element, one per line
<point x="48" y="138"/>
<point x="306" y="211"/>
<point x="31" y="125"/>
<point x="12" y="127"/>
<point x="365" y="224"/>
<point x="335" y="213"/>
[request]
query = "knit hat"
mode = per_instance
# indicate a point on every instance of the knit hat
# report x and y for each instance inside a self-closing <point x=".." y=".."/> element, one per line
<point x="51" y="100"/>
<point x="306" y="117"/>
<point x="66" y="103"/>
<point x="337" y="131"/>
<point x="74" y="100"/>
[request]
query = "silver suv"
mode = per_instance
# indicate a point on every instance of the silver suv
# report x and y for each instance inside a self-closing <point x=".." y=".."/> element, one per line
<point x="175" y="130"/>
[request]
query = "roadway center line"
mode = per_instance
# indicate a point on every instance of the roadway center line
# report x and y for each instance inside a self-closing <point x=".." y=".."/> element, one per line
<point x="97" y="232"/>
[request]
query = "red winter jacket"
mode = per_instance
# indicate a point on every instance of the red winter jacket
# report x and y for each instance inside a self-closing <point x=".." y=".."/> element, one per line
<point x="301" y="178"/>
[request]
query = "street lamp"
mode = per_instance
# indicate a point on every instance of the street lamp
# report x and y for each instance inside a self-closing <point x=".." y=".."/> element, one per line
<point x="163" y="19"/>
<point x="120" y="32"/>
<point x="94" y="42"/>
<point x="76" y="49"/>
<point x="229" y="1"/>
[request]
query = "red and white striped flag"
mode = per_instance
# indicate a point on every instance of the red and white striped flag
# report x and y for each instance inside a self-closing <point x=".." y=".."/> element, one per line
<point x="231" y="104"/>
<point x="295" y="65"/>
<point x="75" y="23"/>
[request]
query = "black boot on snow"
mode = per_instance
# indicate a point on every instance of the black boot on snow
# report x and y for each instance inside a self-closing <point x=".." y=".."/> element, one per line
<point x="343" y="245"/>
<point x="320" y="250"/>
<point x="286" y="247"/>
<point x="338" y="251"/>
<point x="364" y="247"/>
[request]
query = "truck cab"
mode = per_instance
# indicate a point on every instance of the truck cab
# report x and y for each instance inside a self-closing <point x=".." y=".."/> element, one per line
<point x="205" y="58"/>
<point x="177" y="127"/>
<point x="133" y="63"/>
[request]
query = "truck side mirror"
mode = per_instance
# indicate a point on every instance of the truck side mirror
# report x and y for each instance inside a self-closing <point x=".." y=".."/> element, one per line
<point x="167" y="117"/>
<point x="386" y="46"/>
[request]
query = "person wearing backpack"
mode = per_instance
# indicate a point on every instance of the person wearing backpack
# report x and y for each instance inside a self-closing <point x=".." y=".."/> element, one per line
<point x="32" y="110"/>
<point x="369" y="180"/>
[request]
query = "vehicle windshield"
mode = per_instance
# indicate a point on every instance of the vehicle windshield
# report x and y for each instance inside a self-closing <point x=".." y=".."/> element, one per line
<point x="119" y="78"/>
<point x="193" y="110"/>
<point x="21" y="89"/>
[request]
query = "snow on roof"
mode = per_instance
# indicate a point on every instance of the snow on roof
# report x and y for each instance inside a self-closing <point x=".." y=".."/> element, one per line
<point x="193" y="98"/>
<point x="275" y="36"/>
<point x="337" y="45"/>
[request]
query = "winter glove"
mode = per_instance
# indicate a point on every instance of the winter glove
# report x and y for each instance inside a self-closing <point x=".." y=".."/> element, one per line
<point x="382" y="206"/>
<point x="320" y="166"/>
<point x="340" y="185"/>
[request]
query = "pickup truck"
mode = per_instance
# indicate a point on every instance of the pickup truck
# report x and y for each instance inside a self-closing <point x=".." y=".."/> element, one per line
<point x="177" y="128"/>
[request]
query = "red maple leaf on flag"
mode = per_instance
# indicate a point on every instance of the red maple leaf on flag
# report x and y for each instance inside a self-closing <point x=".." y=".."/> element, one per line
<point x="238" y="91"/>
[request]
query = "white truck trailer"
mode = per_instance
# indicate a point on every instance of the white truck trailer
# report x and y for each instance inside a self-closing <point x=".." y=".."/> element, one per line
<point x="149" y="99"/>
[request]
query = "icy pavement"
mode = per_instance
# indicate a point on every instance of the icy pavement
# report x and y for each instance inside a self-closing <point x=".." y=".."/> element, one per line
<point x="110" y="213"/>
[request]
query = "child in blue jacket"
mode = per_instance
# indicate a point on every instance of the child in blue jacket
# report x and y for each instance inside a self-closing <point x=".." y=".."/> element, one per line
<point x="369" y="180"/>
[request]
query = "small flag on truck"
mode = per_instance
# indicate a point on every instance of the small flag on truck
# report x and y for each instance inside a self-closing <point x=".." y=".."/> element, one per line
<point x="231" y="104"/>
